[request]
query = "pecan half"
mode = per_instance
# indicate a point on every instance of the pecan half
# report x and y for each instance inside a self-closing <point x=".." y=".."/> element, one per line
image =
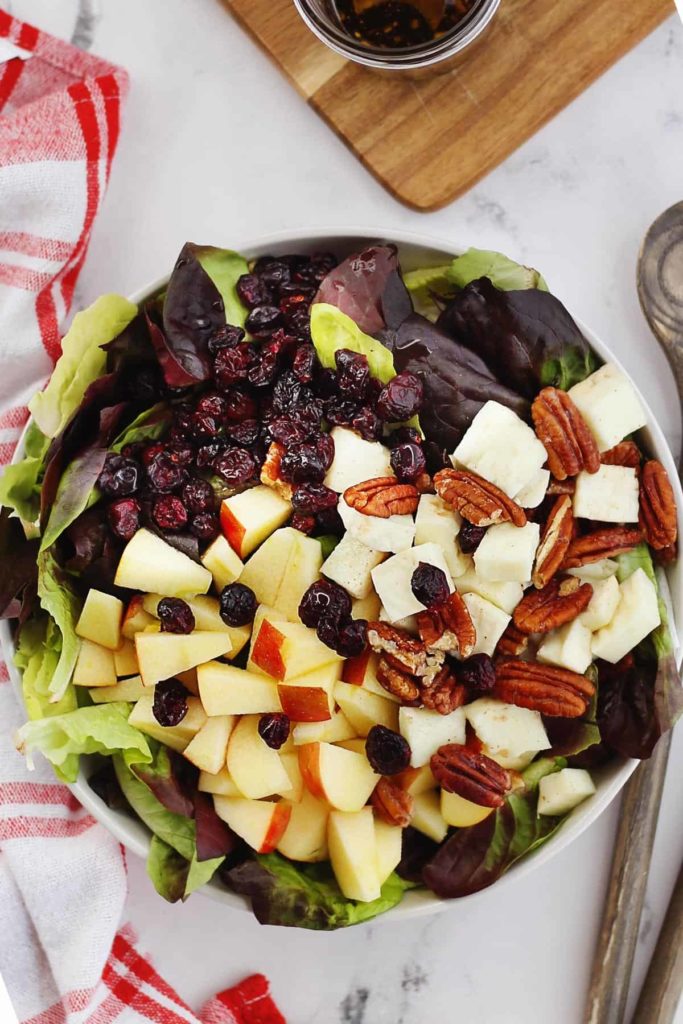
<point x="657" y="506"/>
<point x="445" y="693"/>
<point x="392" y="803"/>
<point x="424" y="485"/>
<point x="563" y="432"/>
<point x="667" y="556"/>
<point x="400" y="647"/>
<point x="555" y="692"/>
<point x="556" y="487"/>
<point x="513" y="642"/>
<point x="473" y="776"/>
<point x="555" y="539"/>
<point x="270" y="471"/>
<point x="606" y="543"/>
<point x="448" y="626"/>
<point x="626" y="453"/>
<point x="398" y="682"/>
<point x="559" y="602"/>
<point x="477" y="500"/>
<point x="382" y="497"/>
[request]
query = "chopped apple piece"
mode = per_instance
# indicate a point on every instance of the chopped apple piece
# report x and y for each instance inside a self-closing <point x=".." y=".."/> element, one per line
<point x="310" y="698"/>
<point x="206" y="611"/>
<point x="305" y="838"/>
<point x="353" y="854"/>
<point x="342" y="777"/>
<point x="389" y="844"/>
<point x="175" y="736"/>
<point x="610" y="495"/>
<point x="489" y="622"/>
<point x="505" y="596"/>
<point x="609" y="404"/>
<point x="100" y="620"/>
<point x="94" y="666"/>
<point x="265" y="570"/>
<point x="362" y="671"/>
<point x="416" y="780"/>
<point x="125" y="659"/>
<point x="260" y="823"/>
<point x="533" y="493"/>
<point x="337" y="728"/>
<point x="516" y="764"/>
<point x="427" y="817"/>
<point x="366" y="607"/>
<point x="357" y="745"/>
<point x="208" y="748"/>
<point x="351" y="564"/>
<point x="295" y="790"/>
<point x="254" y="767"/>
<point x="600" y="570"/>
<point x="149" y="564"/>
<point x="285" y="650"/>
<point x="409" y="624"/>
<point x="427" y="730"/>
<point x="220" y="784"/>
<point x="502" y="448"/>
<point x="163" y="655"/>
<point x="562" y="791"/>
<point x="364" y="709"/>
<point x="251" y="516"/>
<point x="355" y="460"/>
<point x="227" y="690"/>
<point x="568" y="647"/>
<point x="636" y="616"/>
<point x="189" y="680"/>
<point x="603" y="604"/>
<point x="395" y="533"/>
<point x="135" y="618"/>
<point x="505" y="728"/>
<point x="461" y="813"/>
<point x="507" y="552"/>
<point x="303" y="569"/>
<point x="263" y="611"/>
<point x="392" y="579"/>
<point x="435" y="521"/>
<point x="126" y="689"/>
<point x="224" y="564"/>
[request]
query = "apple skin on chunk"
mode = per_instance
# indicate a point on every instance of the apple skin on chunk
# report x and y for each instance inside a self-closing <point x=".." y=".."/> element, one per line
<point x="353" y="854"/>
<point x="260" y="823"/>
<point x="100" y="619"/>
<point x="176" y="737"/>
<point x="362" y="671"/>
<point x="254" y="767"/>
<point x="251" y="516"/>
<point x="135" y="618"/>
<point x="342" y="777"/>
<point x="149" y="564"/>
<point x="163" y="655"/>
<point x="208" y="748"/>
<point x="285" y="650"/>
<point x="227" y="690"/>
<point x="95" y="666"/>
<point x="310" y="698"/>
<point x="305" y="837"/>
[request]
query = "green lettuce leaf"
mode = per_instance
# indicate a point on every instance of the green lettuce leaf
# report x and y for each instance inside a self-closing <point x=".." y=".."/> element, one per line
<point x="306" y="895"/>
<point x="20" y="483"/>
<point x="173" y="877"/>
<point x="75" y="493"/>
<point x="331" y="330"/>
<point x="503" y="272"/>
<point x="98" y="729"/>
<point x="60" y="601"/>
<point x="426" y="282"/>
<point x="82" y="361"/>
<point x="176" y="830"/>
<point x="571" y="368"/>
<point x="225" y="267"/>
<point x="150" y="425"/>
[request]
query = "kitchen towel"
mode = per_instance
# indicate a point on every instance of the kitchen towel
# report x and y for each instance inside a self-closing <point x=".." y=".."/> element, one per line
<point x="63" y="955"/>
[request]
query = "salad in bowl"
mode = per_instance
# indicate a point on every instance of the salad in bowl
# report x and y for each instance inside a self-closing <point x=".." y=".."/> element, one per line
<point x="340" y="583"/>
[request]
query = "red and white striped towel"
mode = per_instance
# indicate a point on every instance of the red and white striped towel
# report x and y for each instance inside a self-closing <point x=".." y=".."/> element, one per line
<point x="63" y="956"/>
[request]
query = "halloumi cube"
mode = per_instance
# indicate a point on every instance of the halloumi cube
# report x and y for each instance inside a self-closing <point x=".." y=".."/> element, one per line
<point x="489" y="622"/>
<point x="599" y="570"/>
<point x="533" y="493"/>
<point x="610" y="495"/>
<point x="568" y="647"/>
<point x="506" y="729"/>
<point x="609" y="404"/>
<point x="603" y="604"/>
<point x="562" y="791"/>
<point x="636" y="616"/>
<point x="507" y="552"/>
<point x="435" y="521"/>
<point x="393" y="534"/>
<point x="392" y="579"/>
<point x="355" y="460"/>
<point x="502" y="448"/>
<point x="350" y="565"/>
<point x="427" y="730"/>
<point x="505" y="595"/>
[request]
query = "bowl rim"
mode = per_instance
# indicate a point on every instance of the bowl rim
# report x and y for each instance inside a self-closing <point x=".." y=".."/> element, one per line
<point x="135" y="836"/>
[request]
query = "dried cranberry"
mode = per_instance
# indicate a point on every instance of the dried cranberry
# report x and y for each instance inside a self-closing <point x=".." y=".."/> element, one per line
<point x="240" y="405"/>
<point x="205" y="526"/>
<point x="231" y="365"/>
<point x="124" y="517"/>
<point x="324" y="599"/>
<point x="175" y="615"/>
<point x="237" y="604"/>
<point x="408" y="462"/>
<point x="183" y="420"/>
<point x="368" y="424"/>
<point x="401" y="398"/>
<point x="324" y="446"/>
<point x="305" y="363"/>
<point x="322" y="263"/>
<point x="169" y="513"/>
<point x="204" y="427"/>
<point x="313" y="498"/>
<point x="327" y="631"/>
<point x="329" y="521"/>
<point x="325" y="383"/>
<point x="299" y="322"/>
<point x="340" y="411"/>
<point x="470" y="537"/>
<point x="181" y="452"/>
<point x="352" y="638"/>
<point x="206" y="453"/>
<point x="244" y="434"/>
<point x="237" y="466"/>
<point x="263" y="320"/>
<point x="387" y="751"/>
<point x="429" y="584"/>
<point x="225" y="337"/>
<point x="353" y="374"/>
<point x="288" y="393"/>
<point x="262" y="372"/>
<point x="275" y="273"/>
<point x="404" y="435"/>
<point x="287" y="431"/>
<point x="119" y="477"/>
<point x="164" y="474"/>
<point x="199" y="495"/>
<point x="264" y="261"/>
<point x="274" y="729"/>
<point x="151" y="450"/>
<point x="303" y="464"/>
<point x="303" y="523"/>
<point x="252" y="290"/>
<point x="477" y="674"/>
<point x="170" y="702"/>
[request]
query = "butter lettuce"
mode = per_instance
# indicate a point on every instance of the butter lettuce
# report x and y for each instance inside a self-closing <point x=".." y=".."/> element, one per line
<point x="426" y="282"/>
<point x="225" y="267"/>
<point x="174" y="877"/>
<point x="20" y="483"/>
<point x="332" y="330"/>
<point x="59" y="600"/>
<point x="503" y="272"/>
<point x="82" y="360"/>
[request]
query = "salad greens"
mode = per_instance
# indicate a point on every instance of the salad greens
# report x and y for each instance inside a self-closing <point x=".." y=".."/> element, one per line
<point x="332" y="330"/>
<point x="20" y="482"/>
<point x="59" y="600"/>
<point x="368" y="288"/>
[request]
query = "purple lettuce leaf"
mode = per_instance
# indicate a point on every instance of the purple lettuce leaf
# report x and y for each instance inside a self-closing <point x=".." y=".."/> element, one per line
<point x="19" y="577"/>
<point x="213" y="837"/>
<point x="193" y="310"/>
<point x="639" y="699"/>
<point x="167" y="779"/>
<point x="368" y="287"/>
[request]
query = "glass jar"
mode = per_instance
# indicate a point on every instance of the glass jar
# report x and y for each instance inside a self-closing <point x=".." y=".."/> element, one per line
<point x="434" y="57"/>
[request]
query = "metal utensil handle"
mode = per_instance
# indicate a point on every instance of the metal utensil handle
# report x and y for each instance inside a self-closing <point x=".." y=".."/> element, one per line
<point x="664" y="981"/>
<point x="618" y="934"/>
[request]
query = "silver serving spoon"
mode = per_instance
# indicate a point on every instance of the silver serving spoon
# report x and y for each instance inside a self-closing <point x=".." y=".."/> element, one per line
<point x="660" y="290"/>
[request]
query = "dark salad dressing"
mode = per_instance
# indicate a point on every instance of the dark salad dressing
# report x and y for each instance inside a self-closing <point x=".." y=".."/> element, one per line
<point x="394" y="24"/>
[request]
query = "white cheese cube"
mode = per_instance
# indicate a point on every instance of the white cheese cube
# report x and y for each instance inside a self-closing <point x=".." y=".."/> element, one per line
<point x="600" y="570"/>
<point x="533" y="493"/>
<point x="636" y="616"/>
<point x="610" y="495"/>
<point x="435" y="521"/>
<point x="603" y="604"/>
<point x="489" y="622"/>
<point x="350" y="565"/>
<point x="568" y="647"/>
<point x="507" y="552"/>
<point x="515" y="764"/>
<point x="562" y="791"/>
<point x="609" y="404"/>
<point x="505" y="729"/>
<point x="502" y="448"/>
<point x="425" y="731"/>
<point x="505" y="595"/>
<point x="392" y="579"/>
<point x="355" y="460"/>
<point x="393" y="534"/>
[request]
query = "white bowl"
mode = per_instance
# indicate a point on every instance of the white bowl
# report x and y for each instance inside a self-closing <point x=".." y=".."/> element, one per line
<point x="415" y="251"/>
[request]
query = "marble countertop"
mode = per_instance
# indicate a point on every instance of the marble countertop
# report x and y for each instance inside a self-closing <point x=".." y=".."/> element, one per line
<point x="216" y="147"/>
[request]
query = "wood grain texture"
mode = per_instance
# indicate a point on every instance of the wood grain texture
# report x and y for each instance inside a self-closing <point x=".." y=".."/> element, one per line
<point x="428" y="140"/>
<point x="661" y="992"/>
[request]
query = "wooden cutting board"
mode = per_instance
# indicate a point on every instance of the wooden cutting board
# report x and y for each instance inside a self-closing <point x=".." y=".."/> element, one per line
<point x="429" y="140"/>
